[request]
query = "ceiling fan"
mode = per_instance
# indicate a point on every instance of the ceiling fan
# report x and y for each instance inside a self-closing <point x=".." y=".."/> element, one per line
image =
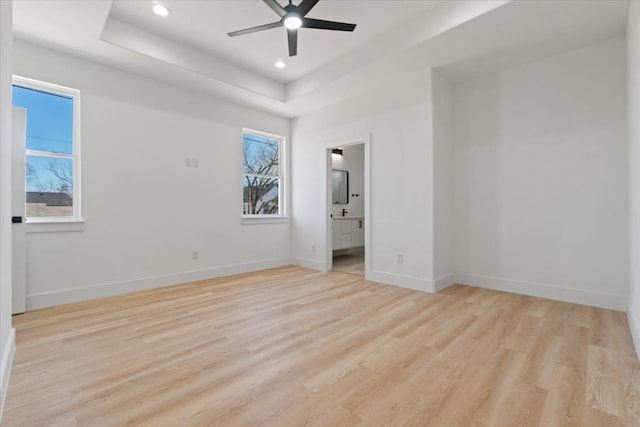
<point x="293" y="17"/>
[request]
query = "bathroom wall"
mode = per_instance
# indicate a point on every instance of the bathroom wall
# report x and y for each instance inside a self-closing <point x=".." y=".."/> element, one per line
<point x="352" y="161"/>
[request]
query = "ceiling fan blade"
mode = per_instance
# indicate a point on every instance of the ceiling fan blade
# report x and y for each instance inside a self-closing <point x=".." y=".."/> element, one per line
<point x="327" y="25"/>
<point x="273" y="4"/>
<point x="255" y="29"/>
<point x="306" y="6"/>
<point x="292" y="35"/>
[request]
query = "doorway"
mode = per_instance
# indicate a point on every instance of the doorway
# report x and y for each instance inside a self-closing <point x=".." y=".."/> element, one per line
<point x="348" y="207"/>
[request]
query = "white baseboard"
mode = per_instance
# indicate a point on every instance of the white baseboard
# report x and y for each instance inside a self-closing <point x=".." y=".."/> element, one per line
<point x="577" y="296"/>
<point x="634" y="326"/>
<point x="48" y="299"/>
<point x="5" y="369"/>
<point x="410" y="282"/>
<point x="443" y="282"/>
<point x="311" y="264"/>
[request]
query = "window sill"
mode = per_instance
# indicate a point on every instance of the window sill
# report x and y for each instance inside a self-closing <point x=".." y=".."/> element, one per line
<point x="54" y="226"/>
<point x="255" y="220"/>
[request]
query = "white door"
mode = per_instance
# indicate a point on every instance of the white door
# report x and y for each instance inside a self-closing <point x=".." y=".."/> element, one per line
<point x="19" y="251"/>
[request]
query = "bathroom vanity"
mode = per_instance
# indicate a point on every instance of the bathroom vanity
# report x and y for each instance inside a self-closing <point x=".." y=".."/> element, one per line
<point x="347" y="232"/>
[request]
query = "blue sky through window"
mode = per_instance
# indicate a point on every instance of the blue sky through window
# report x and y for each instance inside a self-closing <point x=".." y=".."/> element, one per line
<point x="49" y="129"/>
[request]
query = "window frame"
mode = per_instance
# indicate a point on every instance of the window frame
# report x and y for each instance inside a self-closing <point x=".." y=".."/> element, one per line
<point x="75" y="158"/>
<point x="281" y="216"/>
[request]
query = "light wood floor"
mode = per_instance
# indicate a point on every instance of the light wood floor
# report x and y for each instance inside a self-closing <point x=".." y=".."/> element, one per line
<point x="349" y="263"/>
<point x="293" y="347"/>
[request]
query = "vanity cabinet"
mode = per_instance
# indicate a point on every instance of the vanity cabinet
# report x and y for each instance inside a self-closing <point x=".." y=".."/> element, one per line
<point x="347" y="232"/>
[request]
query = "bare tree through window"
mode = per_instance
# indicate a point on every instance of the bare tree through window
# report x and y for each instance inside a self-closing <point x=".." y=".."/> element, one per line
<point x="261" y="179"/>
<point x="60" y="177"/>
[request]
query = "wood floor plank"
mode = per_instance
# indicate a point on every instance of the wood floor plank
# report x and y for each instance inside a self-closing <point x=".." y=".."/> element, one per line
<point x="491" y="401"/>
<point x="523" y="334"/>
<point x="295" y="347"/>
<point x="604" y="330"/>
<point x="565" y="404"/>
<point x="541" y="361"/>
<point x="632" y="394"/>
<point x="605" y="386"/>
<point x="523" y="407"/>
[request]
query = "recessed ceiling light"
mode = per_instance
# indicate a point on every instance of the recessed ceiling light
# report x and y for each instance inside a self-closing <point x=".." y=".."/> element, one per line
<point x="279" y="64"/>
<point x="161" y="10"/>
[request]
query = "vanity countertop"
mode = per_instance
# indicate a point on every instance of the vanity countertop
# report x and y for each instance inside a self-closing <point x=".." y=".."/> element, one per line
<point x="348" y="217"/>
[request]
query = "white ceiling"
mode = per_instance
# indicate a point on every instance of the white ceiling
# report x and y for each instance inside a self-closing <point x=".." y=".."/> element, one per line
<point x="190" y="47"/>
<point x="204" y="25"/>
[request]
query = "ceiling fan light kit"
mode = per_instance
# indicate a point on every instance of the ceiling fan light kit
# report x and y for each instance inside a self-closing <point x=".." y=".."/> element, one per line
<point x="293" y="17"/>
<point x="292" y="22"/>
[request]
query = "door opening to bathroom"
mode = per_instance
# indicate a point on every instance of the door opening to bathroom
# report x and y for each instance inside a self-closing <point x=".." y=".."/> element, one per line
<point x="347" y="210"/>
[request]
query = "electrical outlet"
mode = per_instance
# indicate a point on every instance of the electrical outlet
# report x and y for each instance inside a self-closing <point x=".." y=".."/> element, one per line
<point x="187" y="162"/>
<point x="195" y="255"/>
<point x="313" y="248"/>
<point x="399" y="258"/>
<point x="194" y="163"/>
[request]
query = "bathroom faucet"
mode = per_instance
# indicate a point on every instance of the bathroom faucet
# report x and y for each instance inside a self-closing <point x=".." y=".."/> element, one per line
<point x="344" y="212"/>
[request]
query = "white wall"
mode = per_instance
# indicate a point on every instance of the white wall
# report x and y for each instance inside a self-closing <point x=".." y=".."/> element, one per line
<point x="443" y="180"/>
<point x="633" y="113"/>
<point x="7" y="334"/>
<point x="540" y="188"/>
<point x="145" y="211"/>
<point x="398" y="119"/>
<point x="352" y="161"/>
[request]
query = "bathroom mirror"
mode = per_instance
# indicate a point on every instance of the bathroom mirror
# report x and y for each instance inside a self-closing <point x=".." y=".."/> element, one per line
<point x="340" y="185"/>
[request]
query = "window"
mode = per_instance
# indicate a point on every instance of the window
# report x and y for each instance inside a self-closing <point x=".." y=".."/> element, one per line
<point x="52" y="157"/>
<point x="262" y="180"/>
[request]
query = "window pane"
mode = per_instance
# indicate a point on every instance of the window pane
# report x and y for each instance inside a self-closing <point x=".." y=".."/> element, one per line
<point x="260" y="195"/>
<point x="49" y="182"/>
<point x="49" y="119"/>
<point x="260" y="155"/>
